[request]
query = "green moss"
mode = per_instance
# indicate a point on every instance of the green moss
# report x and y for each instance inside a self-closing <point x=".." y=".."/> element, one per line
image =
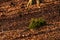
<point x="36" y="23"/>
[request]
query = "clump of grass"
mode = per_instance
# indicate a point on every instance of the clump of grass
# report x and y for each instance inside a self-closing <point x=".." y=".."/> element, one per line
<point x="36" y="23"/>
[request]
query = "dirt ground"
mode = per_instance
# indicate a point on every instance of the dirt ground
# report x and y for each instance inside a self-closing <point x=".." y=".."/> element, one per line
<point x="15" y="18"/>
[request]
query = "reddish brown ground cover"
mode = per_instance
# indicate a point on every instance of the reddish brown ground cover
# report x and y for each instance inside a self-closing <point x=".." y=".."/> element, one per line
<point x="14" y="20"/>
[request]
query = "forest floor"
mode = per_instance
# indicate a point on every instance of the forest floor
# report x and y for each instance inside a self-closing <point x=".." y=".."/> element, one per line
<point x="15" y="19"/>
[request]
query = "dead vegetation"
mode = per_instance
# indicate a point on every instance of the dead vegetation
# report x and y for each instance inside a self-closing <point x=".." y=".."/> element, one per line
<point x="14" y="21"/>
